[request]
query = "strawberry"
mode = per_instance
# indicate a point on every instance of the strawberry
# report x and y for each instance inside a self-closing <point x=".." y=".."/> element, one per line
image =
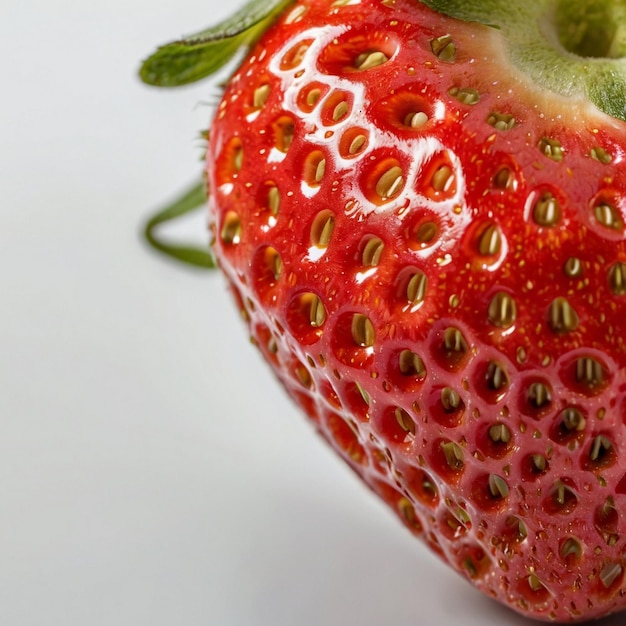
<point x="420" y="209"/>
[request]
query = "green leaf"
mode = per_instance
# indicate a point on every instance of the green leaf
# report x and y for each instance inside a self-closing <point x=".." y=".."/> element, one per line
<point x="202" y="54"/>
<point x="191" y="200"/>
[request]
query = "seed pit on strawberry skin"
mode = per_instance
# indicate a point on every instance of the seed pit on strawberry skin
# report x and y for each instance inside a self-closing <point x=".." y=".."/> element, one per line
<point x="562" y="318"/>
<point x="495" y="440"/>
<point x="411" y="286"/>
<point x="450" y="348"/>
<point x="406" y="371"/>
<point x="447" y="458"/>
<point x="493" y="381"/>
<point x="356" y="400"/>
<point x="404" y="111"/>
<point x="302" y="374"/>
<point x="465" y="95"/>
<point x="397" y="425"/>
<point x="230" y="161"/>
<point x="390" y="182"/>
<point x="546" y="210"/>
<point x="444" y="48"/>
<point x="573" y="267"/>
<point x="284" y="131"/>
<point x="536" y="398"/>
<point x="370" y="251"/>
<point x="295" y="55"/>
<point x="601" y="454"/>
<point x="306" y="315"/>
<point x="310" y="95"/>
<point x="370" y="59"/>
<point x="563" y="498"/>
<point x="268" y="266"/>
<point x="354" y="53"/>
<point x="230" y="233"/>
<point x="261" y="95"/>
<point x="501" y="121"/>
<point x="345" y="439"/>
<point x="606" y="520"/>
<point x="474" y="562"/>
<point x="353" y="339"/>
<point x="409" y="517"/>
<point x="489" y="491"/>
<point x="446" y="407"/>
<point x="422" y="487"/>
<point x="505" y="179"/>
<point x="571" y="551"/>
<point x="608" y="216"/>
<point x="534" y="466"/>
<point x="314" y="168"/>
<point x="551" y="148"/>
<point x="363" y="333"/>
<point x="569" y="427"/>
<point x="353" y="142"/>
<point x="585" y="374"/>
<point x="337" y="107"/>
<point x="617" y="278"/>
<point x="322" y="228"/>
<point x="269" y="197"/>
<point x="487" y="241"/>
<point x="502" y="310"/>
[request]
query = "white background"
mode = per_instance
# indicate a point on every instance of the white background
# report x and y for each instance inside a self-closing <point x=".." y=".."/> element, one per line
<point x="151" y="472"/>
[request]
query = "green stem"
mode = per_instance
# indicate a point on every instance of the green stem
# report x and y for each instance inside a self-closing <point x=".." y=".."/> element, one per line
<point x="191" y="200"/>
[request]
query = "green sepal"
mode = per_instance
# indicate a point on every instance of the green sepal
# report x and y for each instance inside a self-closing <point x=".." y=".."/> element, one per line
<point x="197" y="56"/>
<point x="191" y="200"/>
<point x="576" y="48"/>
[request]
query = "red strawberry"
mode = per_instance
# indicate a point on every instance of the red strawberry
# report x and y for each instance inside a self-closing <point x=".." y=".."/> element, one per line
<point x="422" y="218"/>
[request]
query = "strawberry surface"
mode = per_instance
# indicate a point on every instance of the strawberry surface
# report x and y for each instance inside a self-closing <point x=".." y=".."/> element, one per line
<point x="428" y="248"/>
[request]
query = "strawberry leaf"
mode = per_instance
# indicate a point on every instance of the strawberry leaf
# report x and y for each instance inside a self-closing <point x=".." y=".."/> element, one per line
<point x="191" y="200"/>
<point x="202" y="54"/>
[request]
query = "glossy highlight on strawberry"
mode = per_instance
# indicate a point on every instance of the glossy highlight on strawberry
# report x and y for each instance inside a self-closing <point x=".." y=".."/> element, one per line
<point x="428" y="246"/>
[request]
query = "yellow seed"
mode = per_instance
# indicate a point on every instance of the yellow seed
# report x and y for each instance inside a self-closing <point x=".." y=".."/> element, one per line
<point x="313" y="96"/>
<point x="340" y="110"/>
<point x="370" y="59"/>
<point x="416" y="288"/>
<point x="410" y="364"/>
<point x="562" y="317"/>
<point x="547" y="211"/>
<point x="405" y="421"/>
<point x="551" y="148"/>
<point x="319" y="170"/>
<point x="502" y="310"/>
<point x="363" y="332"/>
<point x="322" y="229"/>
<point x="370" y="257"/>
<point x="450" y="399"/>
<point x="260" y="96"/>
<point x="443" y="48"/>
<point x="231" y="229"/>
<point x="498" y="486"/>
<point x="273" y="200"/>
<point x="390" y="183"/>
<point x="442" y="179"/>
<point x="490" y="241"/>
<point x="357" y="143"/>
<point x="617" y="278"/>
<point x="416" y="119"/>
<point x="608" y="216"/>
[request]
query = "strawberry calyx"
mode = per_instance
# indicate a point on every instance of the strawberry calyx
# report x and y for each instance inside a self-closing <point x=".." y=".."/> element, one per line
<point x="192" y="199"/>
<point x="197" y="56"/>
<point x="573" y="48"/>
